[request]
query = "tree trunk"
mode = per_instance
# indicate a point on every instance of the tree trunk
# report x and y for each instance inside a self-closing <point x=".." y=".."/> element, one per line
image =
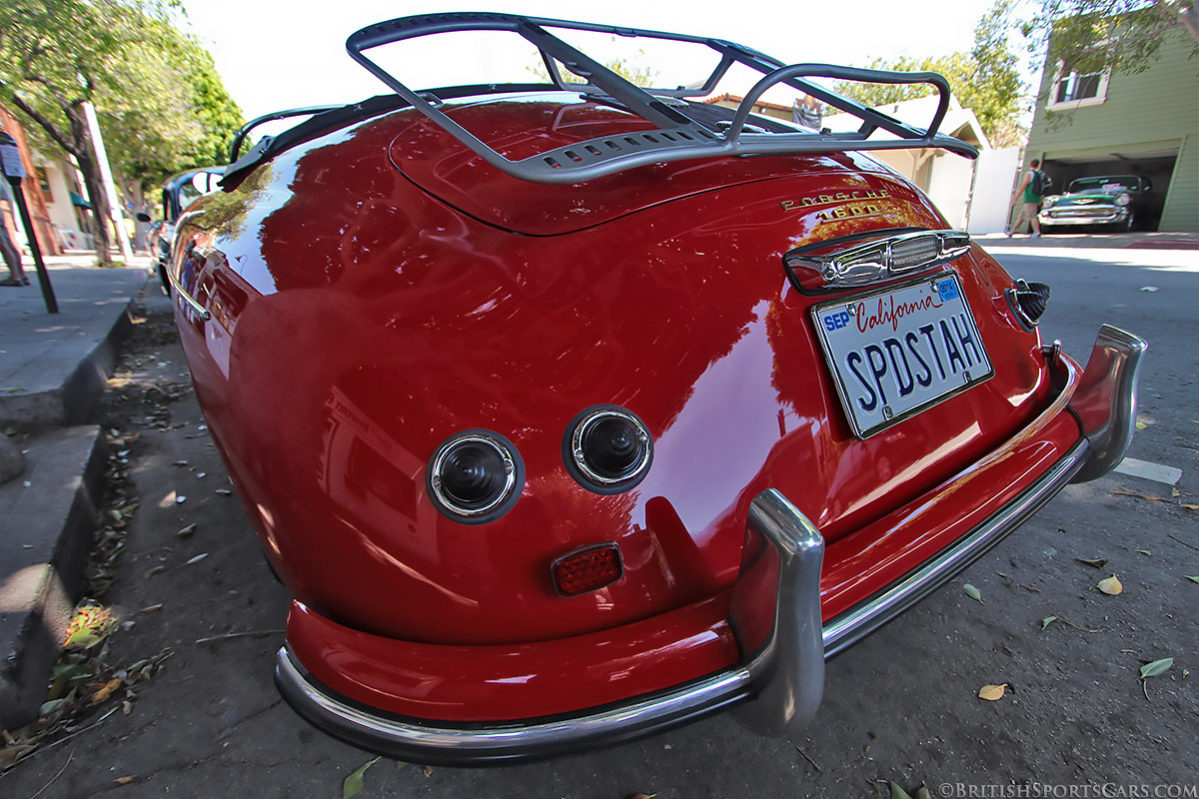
<point x="100" y="210"/>
<point x="91" y="179"/>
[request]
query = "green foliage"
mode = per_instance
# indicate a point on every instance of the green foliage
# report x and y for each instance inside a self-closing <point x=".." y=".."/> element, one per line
<point x="638" y="76"/>
<point x="182" y="118"/>
<point x="161" y="105"/>
<point x="985" y="80"/>
<point x="1122" y="35"/>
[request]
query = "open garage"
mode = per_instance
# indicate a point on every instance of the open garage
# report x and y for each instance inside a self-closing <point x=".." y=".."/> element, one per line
<point x="1155" y="166"/>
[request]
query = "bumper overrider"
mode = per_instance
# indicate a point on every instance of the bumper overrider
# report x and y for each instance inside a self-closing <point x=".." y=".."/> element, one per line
<point x="776" y="689"/>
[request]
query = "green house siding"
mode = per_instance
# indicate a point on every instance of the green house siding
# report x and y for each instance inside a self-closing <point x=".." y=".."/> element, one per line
<point x="1182" y="199"/>
<point x="1152" y="114"/>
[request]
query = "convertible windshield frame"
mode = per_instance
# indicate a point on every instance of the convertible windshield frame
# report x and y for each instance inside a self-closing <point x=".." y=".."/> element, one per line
<point x="676" y="135"/>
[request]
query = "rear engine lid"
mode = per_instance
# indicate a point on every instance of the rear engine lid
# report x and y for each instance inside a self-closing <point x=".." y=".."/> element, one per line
<point x="521" y="126"/>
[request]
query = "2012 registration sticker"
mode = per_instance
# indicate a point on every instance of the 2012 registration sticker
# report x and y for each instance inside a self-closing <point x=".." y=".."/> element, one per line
<point x="898" y="351"/>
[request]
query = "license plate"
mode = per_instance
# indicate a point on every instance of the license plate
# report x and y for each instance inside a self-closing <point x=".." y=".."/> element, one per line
<point x="898" y="351"/>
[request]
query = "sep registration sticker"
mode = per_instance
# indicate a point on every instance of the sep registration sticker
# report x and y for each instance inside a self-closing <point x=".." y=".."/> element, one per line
<point x="896" y="352"/>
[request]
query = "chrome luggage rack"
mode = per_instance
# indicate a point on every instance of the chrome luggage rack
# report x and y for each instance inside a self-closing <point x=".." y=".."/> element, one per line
<point x="677" y="134"/>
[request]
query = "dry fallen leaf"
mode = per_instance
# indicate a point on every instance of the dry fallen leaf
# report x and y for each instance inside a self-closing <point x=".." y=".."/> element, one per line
<point x="1111" y="585"/>
<point x="992" y="692"/>
<point x="124" y="780"/>
<point x="105" y="691"/>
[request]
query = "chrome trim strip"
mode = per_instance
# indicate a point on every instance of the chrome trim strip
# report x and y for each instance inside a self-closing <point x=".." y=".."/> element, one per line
<point x="876" y="260"/>
<point x="188" y="299"/>
<point x="857" y="622"/>
<point x="1106" y="399"/>
<point x="427" y="743"/>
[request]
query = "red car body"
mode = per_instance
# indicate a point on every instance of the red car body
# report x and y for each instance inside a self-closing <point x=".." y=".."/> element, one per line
<point x="351" y="304"/>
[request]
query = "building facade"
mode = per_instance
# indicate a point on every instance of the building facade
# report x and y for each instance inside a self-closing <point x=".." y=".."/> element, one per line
<point x="1111" y="123"/>
<point x="31" y="188"/>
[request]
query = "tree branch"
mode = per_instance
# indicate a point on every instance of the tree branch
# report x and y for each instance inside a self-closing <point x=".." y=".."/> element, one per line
<point x="1190" y="18"/>
<point x="44" y="123"/>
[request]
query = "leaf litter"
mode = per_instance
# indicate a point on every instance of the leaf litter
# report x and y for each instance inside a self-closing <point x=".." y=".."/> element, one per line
<point x="83" y="681"/>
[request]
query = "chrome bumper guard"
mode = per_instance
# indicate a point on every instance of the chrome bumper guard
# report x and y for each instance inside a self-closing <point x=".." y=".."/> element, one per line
<point x="777" y="690"/>
<point x="1106" y="400"/>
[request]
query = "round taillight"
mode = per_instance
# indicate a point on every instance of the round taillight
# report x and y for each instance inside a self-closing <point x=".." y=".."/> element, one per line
<point x="607" y="449"/>
<point x="474" y="476"/>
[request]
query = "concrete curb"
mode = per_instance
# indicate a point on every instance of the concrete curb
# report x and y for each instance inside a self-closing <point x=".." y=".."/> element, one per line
<point x="50" y="515"/>
<point x="73" y="401"/>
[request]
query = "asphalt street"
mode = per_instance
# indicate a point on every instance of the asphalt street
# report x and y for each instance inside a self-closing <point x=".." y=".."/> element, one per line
<point x="900" y="706"/>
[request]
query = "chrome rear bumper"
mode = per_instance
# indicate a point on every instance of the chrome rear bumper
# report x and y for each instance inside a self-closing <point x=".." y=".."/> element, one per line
<point x="1089" y="215"/>
<point x="777" y="689"/>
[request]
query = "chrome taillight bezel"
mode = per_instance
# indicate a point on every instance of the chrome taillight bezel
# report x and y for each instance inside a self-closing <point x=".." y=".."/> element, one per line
<point x="575" y="456"/>
<point x="452" y="507"/>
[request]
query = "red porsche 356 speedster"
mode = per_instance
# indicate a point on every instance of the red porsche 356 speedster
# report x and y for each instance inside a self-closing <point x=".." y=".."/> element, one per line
<point x="573" y="410"/>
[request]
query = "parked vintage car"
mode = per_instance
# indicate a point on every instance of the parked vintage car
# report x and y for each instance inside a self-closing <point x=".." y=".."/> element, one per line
<point x="178" y="192"/>
<point x="1117" y="201"/>
<point x="573" y="411"/>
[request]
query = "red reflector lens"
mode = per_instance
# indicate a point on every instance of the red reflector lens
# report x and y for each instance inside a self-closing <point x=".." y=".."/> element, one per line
<point x="587" y="570"/>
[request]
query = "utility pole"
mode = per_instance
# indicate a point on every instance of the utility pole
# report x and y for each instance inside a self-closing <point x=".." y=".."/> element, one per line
<point x="110" y="188"/>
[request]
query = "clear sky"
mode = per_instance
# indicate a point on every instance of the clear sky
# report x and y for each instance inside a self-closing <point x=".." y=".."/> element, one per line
<point x="274" y="54"/>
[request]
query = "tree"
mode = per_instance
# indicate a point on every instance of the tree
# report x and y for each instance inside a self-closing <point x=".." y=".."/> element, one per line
<point x="1094" y="35"/>
<point x="159" y="101"/>
<point x="189" y="121"/>
<point x="986" y="79"/>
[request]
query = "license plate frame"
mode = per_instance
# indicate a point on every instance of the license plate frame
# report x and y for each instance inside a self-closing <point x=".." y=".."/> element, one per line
<point x="895" y="319"/>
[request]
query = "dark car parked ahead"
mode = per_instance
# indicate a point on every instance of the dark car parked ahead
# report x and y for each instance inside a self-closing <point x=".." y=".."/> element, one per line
<point x="178" y="192"/>
<point x="1120" y="201"/>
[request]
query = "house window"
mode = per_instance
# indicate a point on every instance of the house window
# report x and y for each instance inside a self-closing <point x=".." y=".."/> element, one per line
<point x="1072" y="89"/>
<point x="43" y="181"/>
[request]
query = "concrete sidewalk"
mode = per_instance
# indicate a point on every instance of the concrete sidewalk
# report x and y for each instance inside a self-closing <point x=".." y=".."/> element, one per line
<point x="53" y="366"/>
<point x="53" y="369"/>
